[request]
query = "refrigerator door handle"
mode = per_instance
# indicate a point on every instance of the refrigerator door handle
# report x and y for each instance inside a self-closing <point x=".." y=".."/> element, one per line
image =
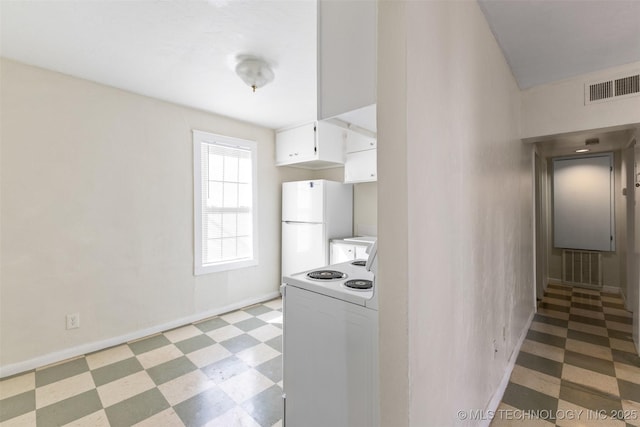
<point x="301" y="222"/>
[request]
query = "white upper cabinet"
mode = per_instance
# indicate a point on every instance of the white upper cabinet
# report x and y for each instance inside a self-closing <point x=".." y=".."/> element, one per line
<point x="360" y="158"/>
<point x="347" y="33"/>
<point x="358" y="142"/>
<point x="315" y="145"/>
<point x="361" y="166"/>
<point x="346" y="91"/>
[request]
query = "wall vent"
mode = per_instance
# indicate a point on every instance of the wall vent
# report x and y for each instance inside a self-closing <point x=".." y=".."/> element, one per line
<point x="582" y="267"/>
<point x="628" y="85"/>
<point x="598" y="91"/>
<point x="612" y="89"/>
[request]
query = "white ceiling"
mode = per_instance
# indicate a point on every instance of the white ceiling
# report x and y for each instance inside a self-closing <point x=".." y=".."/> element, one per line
<point x="565" y="145"/>
<point x="184" y="51"/>
<point x="550" y="40"/>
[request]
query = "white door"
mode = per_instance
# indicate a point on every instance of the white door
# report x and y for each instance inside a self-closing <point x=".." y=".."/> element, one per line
<point x="303" y="201"/>
<point x="304" y="247"/>
<point x="583" y="214"/>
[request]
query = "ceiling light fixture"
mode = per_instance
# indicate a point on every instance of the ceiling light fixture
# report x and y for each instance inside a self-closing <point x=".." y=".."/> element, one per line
<point x="582" y="150"/>
<point x="254" y="71"/>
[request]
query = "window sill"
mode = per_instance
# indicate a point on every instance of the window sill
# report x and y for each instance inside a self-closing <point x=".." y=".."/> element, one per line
<point x="200" y="270"/>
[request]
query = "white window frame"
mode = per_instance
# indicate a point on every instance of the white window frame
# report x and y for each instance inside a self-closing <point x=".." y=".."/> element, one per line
<point x="200" y="137"/>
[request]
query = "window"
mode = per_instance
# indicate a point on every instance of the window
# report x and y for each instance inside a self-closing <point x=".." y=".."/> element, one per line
<point x="224" y="203"/>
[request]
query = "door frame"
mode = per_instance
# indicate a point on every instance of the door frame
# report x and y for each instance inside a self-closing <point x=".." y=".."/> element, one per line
<point x="540" y="224"/>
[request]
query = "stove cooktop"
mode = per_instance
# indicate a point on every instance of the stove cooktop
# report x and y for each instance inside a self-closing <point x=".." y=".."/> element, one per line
<point x="334" y="287"/>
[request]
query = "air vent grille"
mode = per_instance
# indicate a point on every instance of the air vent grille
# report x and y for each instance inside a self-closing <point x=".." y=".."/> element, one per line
<point x="612" y="89"/>
<point x="599" y="91"/>
<point x="628" y="85"/>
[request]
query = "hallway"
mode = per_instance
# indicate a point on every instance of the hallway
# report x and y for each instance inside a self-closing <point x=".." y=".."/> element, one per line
<point x="577" y="364"/>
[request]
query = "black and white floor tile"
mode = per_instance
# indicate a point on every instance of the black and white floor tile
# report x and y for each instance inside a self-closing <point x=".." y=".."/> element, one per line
<point x="577" y="366"/>
<point x="223" y="371"/>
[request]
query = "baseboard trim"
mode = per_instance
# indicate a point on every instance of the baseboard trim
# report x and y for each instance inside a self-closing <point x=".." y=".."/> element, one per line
<point x="494" y="403"/>
<point x="70" y="353"/>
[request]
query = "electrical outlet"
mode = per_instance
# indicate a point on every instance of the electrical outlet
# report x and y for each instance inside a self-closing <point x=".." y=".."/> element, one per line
<point x="73" y="321"/>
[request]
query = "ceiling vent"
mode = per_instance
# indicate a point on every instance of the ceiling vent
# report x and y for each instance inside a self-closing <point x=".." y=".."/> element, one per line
<point x="612" y="89"/>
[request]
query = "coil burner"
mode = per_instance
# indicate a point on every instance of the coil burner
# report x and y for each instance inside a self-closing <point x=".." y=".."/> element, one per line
<point x="359" y="284"/>
<point x="326" y="275"/>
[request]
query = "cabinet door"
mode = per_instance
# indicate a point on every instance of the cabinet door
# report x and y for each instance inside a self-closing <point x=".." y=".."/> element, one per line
<point x="359" y="142"/>
<point x="296" y="144"/>
<point x="341" y="252"/>
<point x="361" y="167"/>
<point x="330" y="140"/>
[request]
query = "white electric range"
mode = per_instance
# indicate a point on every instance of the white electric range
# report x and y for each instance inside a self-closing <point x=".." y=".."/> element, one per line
<point x="330" y="349"/>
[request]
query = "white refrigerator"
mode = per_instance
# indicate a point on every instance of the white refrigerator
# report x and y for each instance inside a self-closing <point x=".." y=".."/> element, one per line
<point x="313" y="212"/>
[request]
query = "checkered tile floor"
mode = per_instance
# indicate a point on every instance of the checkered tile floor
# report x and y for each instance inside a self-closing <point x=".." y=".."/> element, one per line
<point x="223" y="371"/>
<point x="578" y="365"/>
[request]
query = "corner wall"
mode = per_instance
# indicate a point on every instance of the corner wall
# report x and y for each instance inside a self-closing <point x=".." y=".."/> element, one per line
<point x="97" y="216"/>
<point x="469" y="213"/>
<point x="393" y="233"/>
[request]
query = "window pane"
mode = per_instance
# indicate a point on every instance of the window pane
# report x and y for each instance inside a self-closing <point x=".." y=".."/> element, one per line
<point x="244" y="172"/>
<point x="244" y="247"/>
<point x="229" y="248"/>
<point x="231" y="168"/>
<point x="216" y="162"/>
<point x="214" y="198"/>
<point x="212" y="251"/>
<point x="244" y="224"/>
<point x="229" y="225"/>
<point x="244" y="195"/>
<point x="214" y="226"/>
<point x="230" y="196"/>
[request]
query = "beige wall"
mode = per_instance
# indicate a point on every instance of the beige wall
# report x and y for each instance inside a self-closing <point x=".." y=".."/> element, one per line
<point x="393" y="266"/>
<point x="463" y="212"/>
<point x="558" y="107"/>
<point x="97" y="216"/>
